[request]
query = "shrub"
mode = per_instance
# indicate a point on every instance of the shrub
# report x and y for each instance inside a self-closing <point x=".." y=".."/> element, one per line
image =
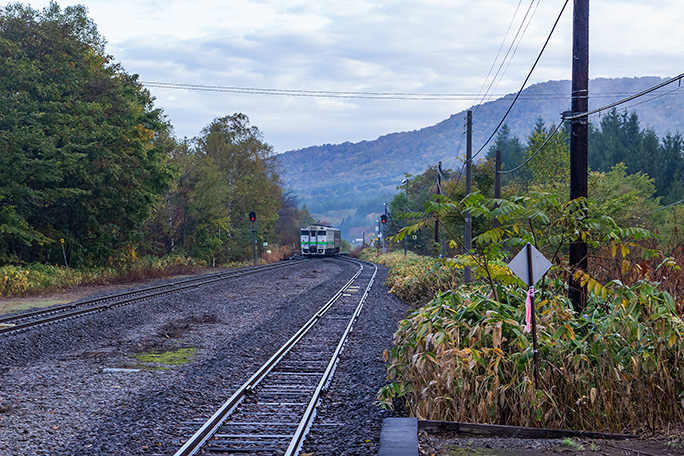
<point x="466" y="357"/>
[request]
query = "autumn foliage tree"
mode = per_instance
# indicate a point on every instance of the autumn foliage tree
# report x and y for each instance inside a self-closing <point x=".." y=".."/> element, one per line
<point x="226" y="172"/>
<point x="82" y="148"/>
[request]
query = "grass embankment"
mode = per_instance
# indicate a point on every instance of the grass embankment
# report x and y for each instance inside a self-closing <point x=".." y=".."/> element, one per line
<point x="465" y="355"/>
<point x="28" y="280"/>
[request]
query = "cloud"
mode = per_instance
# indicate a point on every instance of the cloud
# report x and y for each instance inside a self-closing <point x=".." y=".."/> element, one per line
<point x="420" y="46"/>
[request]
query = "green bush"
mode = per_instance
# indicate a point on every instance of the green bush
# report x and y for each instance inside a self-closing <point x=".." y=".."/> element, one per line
<point x="612" y="364"/>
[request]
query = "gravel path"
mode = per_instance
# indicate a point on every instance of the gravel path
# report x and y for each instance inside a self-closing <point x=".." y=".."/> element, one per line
<point x="59" y="395"/>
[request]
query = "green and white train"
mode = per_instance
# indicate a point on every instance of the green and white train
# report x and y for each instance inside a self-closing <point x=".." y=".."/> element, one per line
<point x="320" y="240"/>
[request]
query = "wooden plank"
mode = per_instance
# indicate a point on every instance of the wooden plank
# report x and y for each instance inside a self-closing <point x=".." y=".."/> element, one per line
<point x="497" y="430"/>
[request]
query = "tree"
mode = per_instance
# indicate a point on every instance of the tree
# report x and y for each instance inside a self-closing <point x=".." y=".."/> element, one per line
<point x="627" y="199"/>
<point x="550" y="168"/>
<point x="82" y="151"/>
<point x="422" y="190"/>
<point x="290" y="220"/>
<point x="670" y="177"/>
<point x="512" y="154"/>
<point x="621" y="140"/>
<point x="225" y="173"/>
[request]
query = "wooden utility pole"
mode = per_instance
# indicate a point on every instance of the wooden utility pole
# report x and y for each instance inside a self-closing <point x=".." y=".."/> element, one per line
<point x="578" y="140"/>
<point x="406" y="208"/>
<point x="497" y="184"/>
<point x="439" y="192"/>
<point x="467" y="274"/>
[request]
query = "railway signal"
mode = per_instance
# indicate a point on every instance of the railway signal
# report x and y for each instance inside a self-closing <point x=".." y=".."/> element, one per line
<point x="383" y="219"/>
<point x="252" y="218"/>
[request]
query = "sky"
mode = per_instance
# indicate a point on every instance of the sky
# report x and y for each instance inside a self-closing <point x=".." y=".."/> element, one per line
<point x="415" y="47"/>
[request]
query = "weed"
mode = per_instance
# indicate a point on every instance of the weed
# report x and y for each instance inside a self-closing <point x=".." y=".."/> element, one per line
<point x="164" y="360"/>
<point x="573" y="444"/>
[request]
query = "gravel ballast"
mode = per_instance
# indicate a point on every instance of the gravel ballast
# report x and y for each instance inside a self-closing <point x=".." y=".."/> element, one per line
<point x="79" y="387"/>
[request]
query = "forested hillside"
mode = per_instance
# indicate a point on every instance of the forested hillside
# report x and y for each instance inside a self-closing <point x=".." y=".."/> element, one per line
<point x="346" y="180"/>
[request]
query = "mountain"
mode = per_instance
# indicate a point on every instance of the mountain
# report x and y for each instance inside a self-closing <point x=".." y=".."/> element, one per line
<point x="350" y="181"/>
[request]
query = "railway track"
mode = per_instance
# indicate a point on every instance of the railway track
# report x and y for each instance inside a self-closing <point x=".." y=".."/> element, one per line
<point x="27" y="320"/>
<point x="272" y="412"/>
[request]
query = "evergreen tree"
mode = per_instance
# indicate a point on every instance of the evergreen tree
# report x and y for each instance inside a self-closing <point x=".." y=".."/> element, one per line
<point x="512" y="155"/>
<point x="621" y="140"/>
<point x="550" y="167"/>
<point x="670" y="176"/>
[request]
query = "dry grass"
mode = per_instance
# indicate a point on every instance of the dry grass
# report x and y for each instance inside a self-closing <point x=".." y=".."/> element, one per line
<point x="466" y="357"/>
<point x="29" y="280"/>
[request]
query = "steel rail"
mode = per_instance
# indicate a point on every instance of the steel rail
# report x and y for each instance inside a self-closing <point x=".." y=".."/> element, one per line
<point x="310" y="413"/>
<point x="195" y="443"/>
<point x="16" y="323"/>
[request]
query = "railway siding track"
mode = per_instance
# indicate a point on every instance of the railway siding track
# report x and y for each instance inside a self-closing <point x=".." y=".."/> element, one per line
<point x="27" y="320"/>
<point x="273" y="411"/>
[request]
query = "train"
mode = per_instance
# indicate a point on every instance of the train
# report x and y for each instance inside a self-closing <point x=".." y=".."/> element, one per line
<point x="320" y="240"/>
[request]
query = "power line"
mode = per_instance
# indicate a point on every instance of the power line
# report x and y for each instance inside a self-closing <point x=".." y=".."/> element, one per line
<point x="534" y="154"/>
<point x="516" y="47"/>
<point x="503" y="61"/>
<point x="312" y="93"/>
<point x="625" y="100"/>
<point x="371" y="95"/>
<point x="517" y="8"/>
<point x="603" y="108"/>
<point x="666" y="207"/>
<point x="524" y="82"/>
<point x="655" y="97"/>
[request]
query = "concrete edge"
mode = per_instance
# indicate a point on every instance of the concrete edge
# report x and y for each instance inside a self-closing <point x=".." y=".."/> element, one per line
<point x="399" y="437"/>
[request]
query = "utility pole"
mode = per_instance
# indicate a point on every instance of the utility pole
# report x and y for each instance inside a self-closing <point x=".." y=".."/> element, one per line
<point x="578" y="141"/>
<point x="384" y="234"/>
<point x="439" y="192"/>
<point x="497" y="184"/>
<point x="467" y="273"/>
<point x="407" y="209"/>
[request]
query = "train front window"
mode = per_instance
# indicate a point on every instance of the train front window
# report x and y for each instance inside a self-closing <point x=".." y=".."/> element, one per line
<point x="313" y="234"/>
<point x="321" y="233"/>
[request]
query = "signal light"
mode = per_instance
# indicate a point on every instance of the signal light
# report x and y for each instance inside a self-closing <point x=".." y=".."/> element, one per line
<point x="383" y="219"/>
<point x="252" y="216"/>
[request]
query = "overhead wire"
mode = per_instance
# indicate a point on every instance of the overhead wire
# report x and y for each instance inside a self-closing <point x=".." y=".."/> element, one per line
<point x="548" y="138"/>
<point x="312" y="93"/>
<point x="625" y="100"/>
<point x="353" y="94"/>
<point x="604" y="108"/>
<point x="484" y="95"/>
<point x="508" y="64"/>
<point x="655" y="97"/>
<point x="665" y="207"/>
<point x="515" y="99"/>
